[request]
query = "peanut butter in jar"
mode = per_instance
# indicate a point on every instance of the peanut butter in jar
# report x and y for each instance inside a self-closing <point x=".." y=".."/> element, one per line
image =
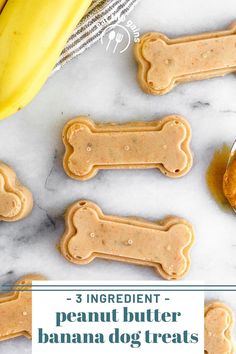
<point x="229" y="182"/>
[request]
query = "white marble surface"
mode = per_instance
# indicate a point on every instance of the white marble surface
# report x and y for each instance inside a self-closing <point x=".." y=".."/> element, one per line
<point x="104" y="86"/>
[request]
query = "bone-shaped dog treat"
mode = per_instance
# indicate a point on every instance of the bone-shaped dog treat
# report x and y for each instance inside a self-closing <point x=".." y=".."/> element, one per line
<point x="162" y="144"/>
<point x="16" y="201"/>
<point x="218" y="329"/>
<point x="16" y="310"/>
<point x="164" y="246"/>
<point x="165" y="62"/>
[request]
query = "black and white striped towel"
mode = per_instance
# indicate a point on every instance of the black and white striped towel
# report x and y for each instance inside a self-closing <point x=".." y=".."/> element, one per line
<point x="100" y="15"/>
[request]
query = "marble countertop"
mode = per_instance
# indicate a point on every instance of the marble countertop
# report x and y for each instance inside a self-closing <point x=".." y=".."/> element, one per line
<point x="104" y="86"/>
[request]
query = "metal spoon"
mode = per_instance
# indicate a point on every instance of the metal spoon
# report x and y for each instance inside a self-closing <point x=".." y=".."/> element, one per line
<point x="231" y="157"/>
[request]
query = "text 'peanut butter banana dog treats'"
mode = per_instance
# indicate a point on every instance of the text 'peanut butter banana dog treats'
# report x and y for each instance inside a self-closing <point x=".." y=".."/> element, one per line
<point x="164" y="245"/>
<point x="164" y="62"/>
<point x="218" y="329"/>
<point x="16" y="309"/>
<point x="16" y="201"/>
<point x="162" y="144"/>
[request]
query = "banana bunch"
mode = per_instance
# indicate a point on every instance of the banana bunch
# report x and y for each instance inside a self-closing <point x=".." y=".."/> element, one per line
<point x="33" y="34"/>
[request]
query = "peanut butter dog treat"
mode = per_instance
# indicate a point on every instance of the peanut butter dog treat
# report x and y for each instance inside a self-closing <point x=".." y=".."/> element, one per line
<point x="164" y="246"/>
<point x="229" y="182"/>
<point x="16" y="201"/>
<point x="218" y="329"/>
<point x="16" y="310"/>
<point x="164" y="63"/>
<point x="162" y="144"/>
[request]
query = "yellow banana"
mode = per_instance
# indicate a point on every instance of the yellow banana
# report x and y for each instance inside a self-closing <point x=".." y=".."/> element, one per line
<point x="32" y="35"/>
<point x="2" y="3"/>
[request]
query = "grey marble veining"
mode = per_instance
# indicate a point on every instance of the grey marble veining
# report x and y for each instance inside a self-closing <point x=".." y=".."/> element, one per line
<point x="104" y="86"/>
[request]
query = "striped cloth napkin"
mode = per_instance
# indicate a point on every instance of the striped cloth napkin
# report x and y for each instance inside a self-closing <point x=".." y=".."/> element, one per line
<point x="100" y="15"/>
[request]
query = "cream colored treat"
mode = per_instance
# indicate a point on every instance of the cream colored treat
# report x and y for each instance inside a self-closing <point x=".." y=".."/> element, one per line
<point x="162" y="144"/>
<point x="16" y="201"/>
<point x="16" y="310"/>
<point x="164" y="63"/>
<point x="164" y="246"/>
<point x="218" y="329"/>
